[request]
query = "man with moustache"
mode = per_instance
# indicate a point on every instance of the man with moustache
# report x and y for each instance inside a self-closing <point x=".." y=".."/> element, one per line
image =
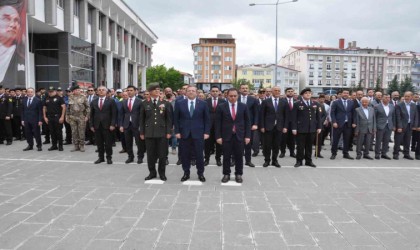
<point x="364" y="122"/>
<point x="32" y="119"/>
<point x="288" y="138"/>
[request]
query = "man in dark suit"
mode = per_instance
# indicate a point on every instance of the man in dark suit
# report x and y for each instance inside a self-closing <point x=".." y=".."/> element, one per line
<point x="192" y="127"/>
<point x="273" y="118"/>
<point x="364" y="122"/>
<point x="129" y="124"/>
<point x="103" y="114"/>
<point x="6" y="108"/>
<point x="32" y="119"/>
<point x="17" y="114"/>
<point x="288" y="138"/>
<point x="155" y="128"/>
<point x="253" y="110"/>
<point x="385" y="124"/>
<point x="257" y="139"/>
<point x="233" y="130"/>
<point x="322" y="135"/>
<point x="341" y="119"/>
<point x="212" y="104"/>
<point x="407" y="121"/>
<point x="306" y="124"/>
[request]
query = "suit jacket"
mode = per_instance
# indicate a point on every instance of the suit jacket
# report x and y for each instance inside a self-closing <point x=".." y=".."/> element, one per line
<point x="17" y="106"/>
<point x="289" y="112"/>
<point x="364" y="124"/>
<point x="6" y="106"/>
<point x="339" y="113"/>
<point x="155" y="121"/>
<point x="33" y="112"/>
<point x="197" y="125"/>
<point x="225" y="122"/>
<point x="105" y="117"/>
<point x="253" y="108"/>
<point x="382" y="120"/>
<point x="212" y="111"/>
<point x="402" y="115"/>
<point x="306" y="119"/>
<point x="128" y="116"/>
<point x="269" y="118"/>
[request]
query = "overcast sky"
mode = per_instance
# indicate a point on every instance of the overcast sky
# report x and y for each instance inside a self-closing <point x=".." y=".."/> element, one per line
<point x="387" y="24"/>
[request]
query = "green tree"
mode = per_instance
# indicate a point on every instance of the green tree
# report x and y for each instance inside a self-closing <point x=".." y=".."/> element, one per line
<point x="394" y="85"/>
<point x="359" y="85"/>
<point x="164" y="76"/>
<point x="236" y="83"/>
<point x="378" y="87"/>
<point x="406" y="85"/>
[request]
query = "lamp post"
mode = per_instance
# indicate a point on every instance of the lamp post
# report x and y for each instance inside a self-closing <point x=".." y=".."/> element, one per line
<point x="276" y="4"/>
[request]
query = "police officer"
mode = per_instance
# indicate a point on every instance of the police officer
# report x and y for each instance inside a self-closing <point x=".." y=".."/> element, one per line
<point x="17" y="114"/>
<point x="6" y="107"/>
<point x="306" y="124"/>
<point x="77" y="115"/>
<point x="54" y="110"/>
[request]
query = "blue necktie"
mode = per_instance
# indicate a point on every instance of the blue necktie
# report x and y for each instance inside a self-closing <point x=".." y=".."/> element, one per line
<point x="275" y="104"/>
<point x="191" y="109"/>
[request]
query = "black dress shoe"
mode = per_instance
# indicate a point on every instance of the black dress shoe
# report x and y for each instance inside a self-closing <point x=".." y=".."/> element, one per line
<point x="254" y="154"/>
<point x="310" y="164"/>
<point x="39" y="149"/>
<point x="68" y="143"/>
<point x="202" y="178"/>
<point x="140" y="161"/>
<point x="377" y="157"/>
<point x="129" y="160"/>
<point x="238" y="179"/>
<point x="89" y="143"/>
<point x="250" y="164"/>
<point x="276" y="164"/>
<point x="232" y="164"/>
<point x="167" y="162"/>
<point x="348" y="157"/>
<point x="219" y="163"/>
<point x="395" y="157"/>
<point x="149" y="177"/>
<point x="52" y="148"/>
<point x="163" y="178"/>
<point x="417" y="157"/>
<point x="320" y="156"/>
<point x="60" y="148"/>
<point x="206" y="162"/>
<point x="8" y="143"/>
<point x="46" y="142"/>
<point x="386" y="157"/>
<point x="351" y="149"/>
<point x="193" y="162"/>
<point x="178" y="162"/>
<point x="282" y="155"/>
<point x="293" y="155"/>
<point x="108" y="161"/>
<point x="358" y="157"/>
<point x="99" y="161"/>
<point x="298" y="164"/>
<point x="340" y="148"/>
<point x="266" y="164"/>
<point x="408" y="157"/>
<point x="28" y="148"/>
<point x="367" y="157"/>
<point x="122" y="151"/>
<point x="333" y="157"/>
<point x="185" y="177"/>
<point x="114" y="145"/>
<point x="225" y="178"/>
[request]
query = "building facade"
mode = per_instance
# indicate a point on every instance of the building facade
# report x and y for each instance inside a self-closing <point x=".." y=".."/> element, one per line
<point x="398" y="64"/>
<point x="86" y="42"/>
<point x="214" y="62"/>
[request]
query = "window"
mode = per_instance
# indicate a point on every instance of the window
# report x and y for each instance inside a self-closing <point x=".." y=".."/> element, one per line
<point x="353" y="67"/>
<point x="228" y="67"/>
<point x="320" y="58"/>
<point x="215" y="58"/>
<point x="228" y="49"/>
<point x="268" y="72"/>
<point x="216" y="49"/>
<point x="258" y="73"/>
<point x="337" y="59"/>
<point x="215" y="76"/>
<point x="228" y="59"/>
<point x="100" y="21"/>
<point x="329" y="59"/>
<point x="311" y="66"/>
<point x="319" y="82"/>
<point x="215" y="67"/>
<point x="328" y="74"/>
<point x="197" y="49"/>
<point x="198" y="67"/>
<point x="337" y="67"/>
<point x="267" y="80"/>
<point x="76" y="8"/>
<point x="353" y="75"/>
<point x="90" y="16"/>
<point x="328" y="82"/>
<point x="311" y="74"/>
<point x="60" y="3"/>
<point x="311" y="58"/>
<point x="206" y="49"/>
<point x="353" y="59"/>
<point x="244" y="72"/>
<point x="346" y="59"/>
<point x="319" y="73"/>
<point x="198" y="76"/>
<point x="328" y="66"/>
<point x="311" y="82"/>
<point x="227" y="77"/>
<point x="198" y="58"/>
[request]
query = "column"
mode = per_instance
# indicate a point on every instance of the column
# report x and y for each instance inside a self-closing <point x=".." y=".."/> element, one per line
<point x="143" y="78"/>
<point x="51" y="12"/>
<point x="114" y="37"/>
<point x="124" y="72"/>
<point x="95" y="26"/>
<point x="135" y="75"/>
<point x="68" y="16"/>
<point x="64" y="72"/>
<point x="105" y="32"/>
<point x="109" y="70"/>
<point x="83" y="20"/>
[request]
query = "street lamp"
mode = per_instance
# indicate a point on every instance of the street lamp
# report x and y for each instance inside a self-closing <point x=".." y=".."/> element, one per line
<point x="276" y="4"/>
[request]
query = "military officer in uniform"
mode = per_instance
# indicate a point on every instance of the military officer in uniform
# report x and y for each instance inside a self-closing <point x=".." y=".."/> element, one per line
<point x="6" y="107"/>
<point x="17" y="114"/>
<point x="155" y="128"/>
<point x="306" y="124"/>
<point x="77" y="115"/>
<point x="54" y="110"/>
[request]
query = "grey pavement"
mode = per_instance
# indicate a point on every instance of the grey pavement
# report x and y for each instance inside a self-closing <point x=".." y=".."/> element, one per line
<point x="61" y="200"/>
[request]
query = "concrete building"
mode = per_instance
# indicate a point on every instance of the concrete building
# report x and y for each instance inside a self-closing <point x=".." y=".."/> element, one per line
<point x="214" y="62"/>
<point x="91" y="42"/>
<point x="398" y="64"/>
<point x="187" y="78"/>
<point x="415" y="71"/>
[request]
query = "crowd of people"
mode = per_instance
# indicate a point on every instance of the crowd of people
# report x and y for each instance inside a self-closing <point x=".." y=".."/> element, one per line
<point x="234" y="124"/>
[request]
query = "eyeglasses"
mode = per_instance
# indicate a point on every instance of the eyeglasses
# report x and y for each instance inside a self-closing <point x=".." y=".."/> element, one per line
<point x="232" y="95"/>
<point x="90" y="89"/>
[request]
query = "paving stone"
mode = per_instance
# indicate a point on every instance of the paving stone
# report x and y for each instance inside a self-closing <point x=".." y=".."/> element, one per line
<point x="101" y="193"/>
<point x="232" y="197"/>
<point x="277" y="198"/>
<point x="15" y="236"/>
<point x="116" y="200"/>
<point x="60" y="191"/>
<point x="6" y="208"/>
<point x="177" y="231"/>
<point x="394" y="241"/>
<point x="78" y="238"/>
<point x="104" y="245"/>
<point x="70" y="199"/>
<point x="27" y="197"/>
<point x="236" y="233"/>
<point x="331" y="241"/>
<point x="234" y="212"/>
<point x="269" y="240"/>
<point x="285" y="213"/>
<point x="116" y="229"/>
<point x="371" y="224"/>
<point x="162" y="202"/>
<point x="132" y="209"/>
<point x="12" y="219"/>
<point x="295" y="233"/>
<point x="187" y="197"/>
<point x="258" y="204"/>
<point x="263" y="222"/>
<point x="66" y="222"/>
<point x="172" y="246"/>
<point x="335" y="213"/>
<point x="141" y="239"/>
<point x="206" y="240"/>
<point x="208" y="221"/>
<point x="84" y="207"/>
<point x="351" y="206"/>
<point x="385" y="214"/>
<point x="38" y="242"/>
<point x="47" y="214"/>
<point x="99" y="216"/>
<point x="317" y="223"/>
<point x="183" y="211"/>
<point x="209" y="204"/>
<point x="355" y="234"/>
<point x="153" y="219"/>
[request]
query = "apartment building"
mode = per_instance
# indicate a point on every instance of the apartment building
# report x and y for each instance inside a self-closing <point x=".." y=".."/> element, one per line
<point x="398" y="64"/>
<point x="85" y="42"/>
<point x="214" y="61"/>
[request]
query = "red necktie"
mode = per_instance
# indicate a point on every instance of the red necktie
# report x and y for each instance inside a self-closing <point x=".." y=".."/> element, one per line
<point x="233" y="117"/>
<point x="100" y="103"/>
<point x="290" y="104"/>
<point x="214" y="104"/>
<point x="129" y="105"/>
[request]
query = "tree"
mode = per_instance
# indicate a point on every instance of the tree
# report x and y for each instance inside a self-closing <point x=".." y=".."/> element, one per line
<point x="164" y="76"/>
<point x="406" y="85"/>
<point x="236" y="83"/>
<point x="378" y="87"/>
<point x="359" y="85"/>
<point x="394" y="85"/>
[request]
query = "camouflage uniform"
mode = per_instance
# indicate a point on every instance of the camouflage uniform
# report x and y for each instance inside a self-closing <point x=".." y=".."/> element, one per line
<point x="78" y="111"/>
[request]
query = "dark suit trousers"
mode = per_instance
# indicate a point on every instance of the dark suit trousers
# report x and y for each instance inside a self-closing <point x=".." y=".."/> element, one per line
<point x="414" y="139"/>
<point x="129" y="133"/>
<point x="336" y="133"/>
<point x="16" y="127"/>
<point x="272" y="140"/>
<point x="304" y="143"/>
<point x="382" y="141"/>
<point x="104" y="142"/>
<point x="33" y="130"/>
<point x="89" y="134"/>
<point x="157" y="148"/>
<point x="403" y="138"/>
<point x="257" y="141"/>
<point x="196" y="146"/>
<point x="68" y="131"/>
<point x="6" y="130"/>
<point x="289" y="141"/>
<point x="56" y="131"/>
<point x="363" y="144"/>
<point x="235" y="148"/>
<point x="248" y="147"/>
<point x="209" y="145"/>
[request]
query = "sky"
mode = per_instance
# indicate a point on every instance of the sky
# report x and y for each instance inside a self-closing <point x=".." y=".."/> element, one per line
<point x="388" y="24"/>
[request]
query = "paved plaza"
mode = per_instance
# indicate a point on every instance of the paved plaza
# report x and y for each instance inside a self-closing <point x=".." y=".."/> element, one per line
<point x="61" y="200"/>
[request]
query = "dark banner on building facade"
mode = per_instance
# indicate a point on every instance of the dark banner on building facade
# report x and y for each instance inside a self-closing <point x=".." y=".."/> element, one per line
<point x="12" y="43"/>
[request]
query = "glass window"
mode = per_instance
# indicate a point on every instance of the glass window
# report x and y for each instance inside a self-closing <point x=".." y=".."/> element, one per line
<point x="76" y="8"/>
<point x="60" y="3"/>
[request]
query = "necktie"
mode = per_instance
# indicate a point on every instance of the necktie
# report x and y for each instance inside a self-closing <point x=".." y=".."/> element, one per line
<point x="154" y="102"/>
<point x="275" y="104"/>
<point x="214" y="104"/>
<point x="243" y="99"/>
<point x="290" y="104"/>
<point x="345" y="104"/>
<point x="191" y="109"/>
<point x="29" y="102"/>
<point x="233" y="117"/>
<point x="90" y="99"/>
<point x="100" y="103"/>
<point x="129" y="105"/>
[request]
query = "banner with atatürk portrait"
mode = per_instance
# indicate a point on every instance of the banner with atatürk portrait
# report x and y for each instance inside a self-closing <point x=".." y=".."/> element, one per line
<point x="12" y="43"/>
